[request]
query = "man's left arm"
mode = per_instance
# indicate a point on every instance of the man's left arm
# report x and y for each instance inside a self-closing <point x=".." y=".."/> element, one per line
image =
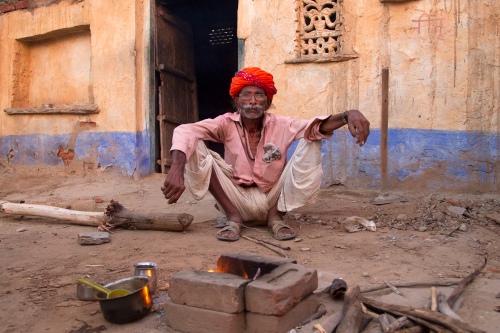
<point x="358" y="125"/>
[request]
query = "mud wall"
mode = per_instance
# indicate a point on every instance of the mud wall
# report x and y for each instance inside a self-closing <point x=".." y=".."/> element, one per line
<point x="76" y="54"/>
<point x="443" y="58"/>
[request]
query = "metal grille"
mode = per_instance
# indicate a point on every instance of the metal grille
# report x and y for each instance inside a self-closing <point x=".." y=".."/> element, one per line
<point x="221" y="36"/>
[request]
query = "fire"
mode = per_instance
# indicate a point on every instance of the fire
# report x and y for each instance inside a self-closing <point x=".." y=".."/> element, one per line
<point x="146" y="295"/>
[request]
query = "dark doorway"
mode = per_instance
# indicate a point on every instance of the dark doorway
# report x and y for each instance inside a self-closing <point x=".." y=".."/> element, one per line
<point x="213" y="24"/>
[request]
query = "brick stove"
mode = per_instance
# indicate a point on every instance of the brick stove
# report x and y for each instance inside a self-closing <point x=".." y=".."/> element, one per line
<point x="248" y="293"/>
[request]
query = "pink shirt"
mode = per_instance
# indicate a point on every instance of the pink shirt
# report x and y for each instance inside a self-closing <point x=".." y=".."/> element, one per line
<point x="227" y="129"/>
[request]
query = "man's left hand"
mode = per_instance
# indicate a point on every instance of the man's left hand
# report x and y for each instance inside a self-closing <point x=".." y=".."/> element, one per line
<point x="358" y="125"/>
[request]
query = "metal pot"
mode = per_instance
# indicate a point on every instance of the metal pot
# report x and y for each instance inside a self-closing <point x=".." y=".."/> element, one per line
<point x="130" y="307"/>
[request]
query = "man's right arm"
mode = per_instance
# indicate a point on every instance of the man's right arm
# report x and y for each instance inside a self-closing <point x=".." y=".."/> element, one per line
<point x="173" y="187"/>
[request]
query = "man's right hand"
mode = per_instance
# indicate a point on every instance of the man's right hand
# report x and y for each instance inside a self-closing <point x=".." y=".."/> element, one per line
<point x="173" y="187"/>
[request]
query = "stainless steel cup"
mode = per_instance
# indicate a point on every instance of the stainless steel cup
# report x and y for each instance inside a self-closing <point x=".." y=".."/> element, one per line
<point x="147" y="269"/>
<point x="84" y="292"/>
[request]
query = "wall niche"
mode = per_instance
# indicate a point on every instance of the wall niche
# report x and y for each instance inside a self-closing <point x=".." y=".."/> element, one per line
<point x="53" y="74"/>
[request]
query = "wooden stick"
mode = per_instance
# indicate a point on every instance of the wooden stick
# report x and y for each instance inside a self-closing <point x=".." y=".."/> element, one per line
<point x="410" y="284"/>
<point x="331" y="322"/>
<point x="286" y="248"/>
<point x="393" y="288"/>
<point x="368" y="312"/>
<point x="352" y="315"/>
<point x="113" y="217"/>
<point x="384" y="322"/>
<point x="265" y="245"/>
<point x="320" y="313"/>
<point x="463" y="283"/>
<point x="414" y="329"/>
<point x="444" y="308"/>
<point x="373" y="327"/>
<point x="433" y="320"/>
<point x="434" y="305"/>
<point x="398" y="324"/>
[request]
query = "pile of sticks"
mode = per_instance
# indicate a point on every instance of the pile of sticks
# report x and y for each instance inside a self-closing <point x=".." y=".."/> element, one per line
<point x="362" y="314"/>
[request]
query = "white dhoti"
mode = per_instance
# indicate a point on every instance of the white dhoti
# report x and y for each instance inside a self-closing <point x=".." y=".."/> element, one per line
<point x="298" y="184"/>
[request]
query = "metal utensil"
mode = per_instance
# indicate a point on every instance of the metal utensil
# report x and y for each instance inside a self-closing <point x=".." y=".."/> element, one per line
<point x="128" y="308"/>
<point x="109" y="293"/>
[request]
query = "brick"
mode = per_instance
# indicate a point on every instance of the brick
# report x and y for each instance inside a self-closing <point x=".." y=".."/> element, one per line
<point x="214" y="291"/>
<point x="23" y="4"/>
<point x="246" y="264"/>
<point x="7" y="8"/>
<point x="259" y="323"/>
<point x="189" y="319"/>
<point x="277" y="292"/>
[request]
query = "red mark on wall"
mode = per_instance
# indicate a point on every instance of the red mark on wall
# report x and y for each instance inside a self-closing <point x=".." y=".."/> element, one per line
<point x="426" y="23"/>
<point x="88" y="124"/>
<point x="67" y="156"/>
<point x="10" y="156"/>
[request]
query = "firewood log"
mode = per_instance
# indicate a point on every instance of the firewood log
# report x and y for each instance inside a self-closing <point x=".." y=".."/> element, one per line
<point x="117" y="216"/>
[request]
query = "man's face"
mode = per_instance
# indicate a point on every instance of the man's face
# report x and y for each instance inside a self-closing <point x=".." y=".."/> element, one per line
<point x="252" y="102"/>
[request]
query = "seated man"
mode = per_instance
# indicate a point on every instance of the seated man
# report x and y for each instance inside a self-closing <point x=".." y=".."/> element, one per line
<point x="254" y="182"/>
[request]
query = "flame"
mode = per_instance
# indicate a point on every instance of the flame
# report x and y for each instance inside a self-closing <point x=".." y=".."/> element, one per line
<point x="146" y="295"/>
<point x="211" y="271"/>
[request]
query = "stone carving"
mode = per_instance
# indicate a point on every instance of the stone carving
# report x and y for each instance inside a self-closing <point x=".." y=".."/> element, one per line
<point x="319" y="28"/>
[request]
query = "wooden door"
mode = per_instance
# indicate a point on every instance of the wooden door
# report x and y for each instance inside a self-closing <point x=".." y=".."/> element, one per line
<point x="174" y="60"/>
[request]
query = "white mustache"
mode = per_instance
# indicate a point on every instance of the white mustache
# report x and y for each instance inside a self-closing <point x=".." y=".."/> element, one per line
<point x="250" y="107"/>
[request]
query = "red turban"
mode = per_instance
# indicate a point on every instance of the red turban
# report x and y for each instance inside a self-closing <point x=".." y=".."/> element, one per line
<point x="252" y="76"/>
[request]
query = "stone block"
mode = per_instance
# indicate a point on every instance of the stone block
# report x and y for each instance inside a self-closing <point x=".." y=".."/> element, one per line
<point x="246" y="264"/>
<point x="259" y="323"/>
<point x="277" y="292"/>
<point x="214" y="291"/>
<point x="93" y="238"/>
<point x="189" y="319"/>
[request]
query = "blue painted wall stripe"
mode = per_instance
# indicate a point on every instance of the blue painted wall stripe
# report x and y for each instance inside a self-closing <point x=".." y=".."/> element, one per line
<point x="470" y="157"/>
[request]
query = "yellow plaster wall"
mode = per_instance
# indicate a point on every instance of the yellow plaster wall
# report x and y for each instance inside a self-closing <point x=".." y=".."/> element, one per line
<point x="112" y="48"/>
<point x="442" y="76"/>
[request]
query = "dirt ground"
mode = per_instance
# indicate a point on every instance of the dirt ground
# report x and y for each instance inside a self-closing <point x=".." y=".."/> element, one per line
<point x="417" y="240"/>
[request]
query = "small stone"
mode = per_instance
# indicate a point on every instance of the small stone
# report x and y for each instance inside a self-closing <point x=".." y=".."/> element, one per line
<point x="298" y="240"/>
<point x="98" y="200"/>
<point x="305" y="249"/>
<point x="402" y="217"/>
<point x="422" y="228"/>
<point x="94" y="238"/>
<point x="495" y="217"/>
<point x="440" y="217"/>
<point x="21" y="229"/>
<point x="456" y="211"/>
<point x="462" y="227"/>
<point x="365" y="274"/>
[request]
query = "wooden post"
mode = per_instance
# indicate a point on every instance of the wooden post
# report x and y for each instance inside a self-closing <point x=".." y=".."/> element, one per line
<point x="384" y="126"/>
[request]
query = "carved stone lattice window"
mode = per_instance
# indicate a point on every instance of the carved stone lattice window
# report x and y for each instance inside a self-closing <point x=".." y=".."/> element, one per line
<point x="319" y="32"/>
